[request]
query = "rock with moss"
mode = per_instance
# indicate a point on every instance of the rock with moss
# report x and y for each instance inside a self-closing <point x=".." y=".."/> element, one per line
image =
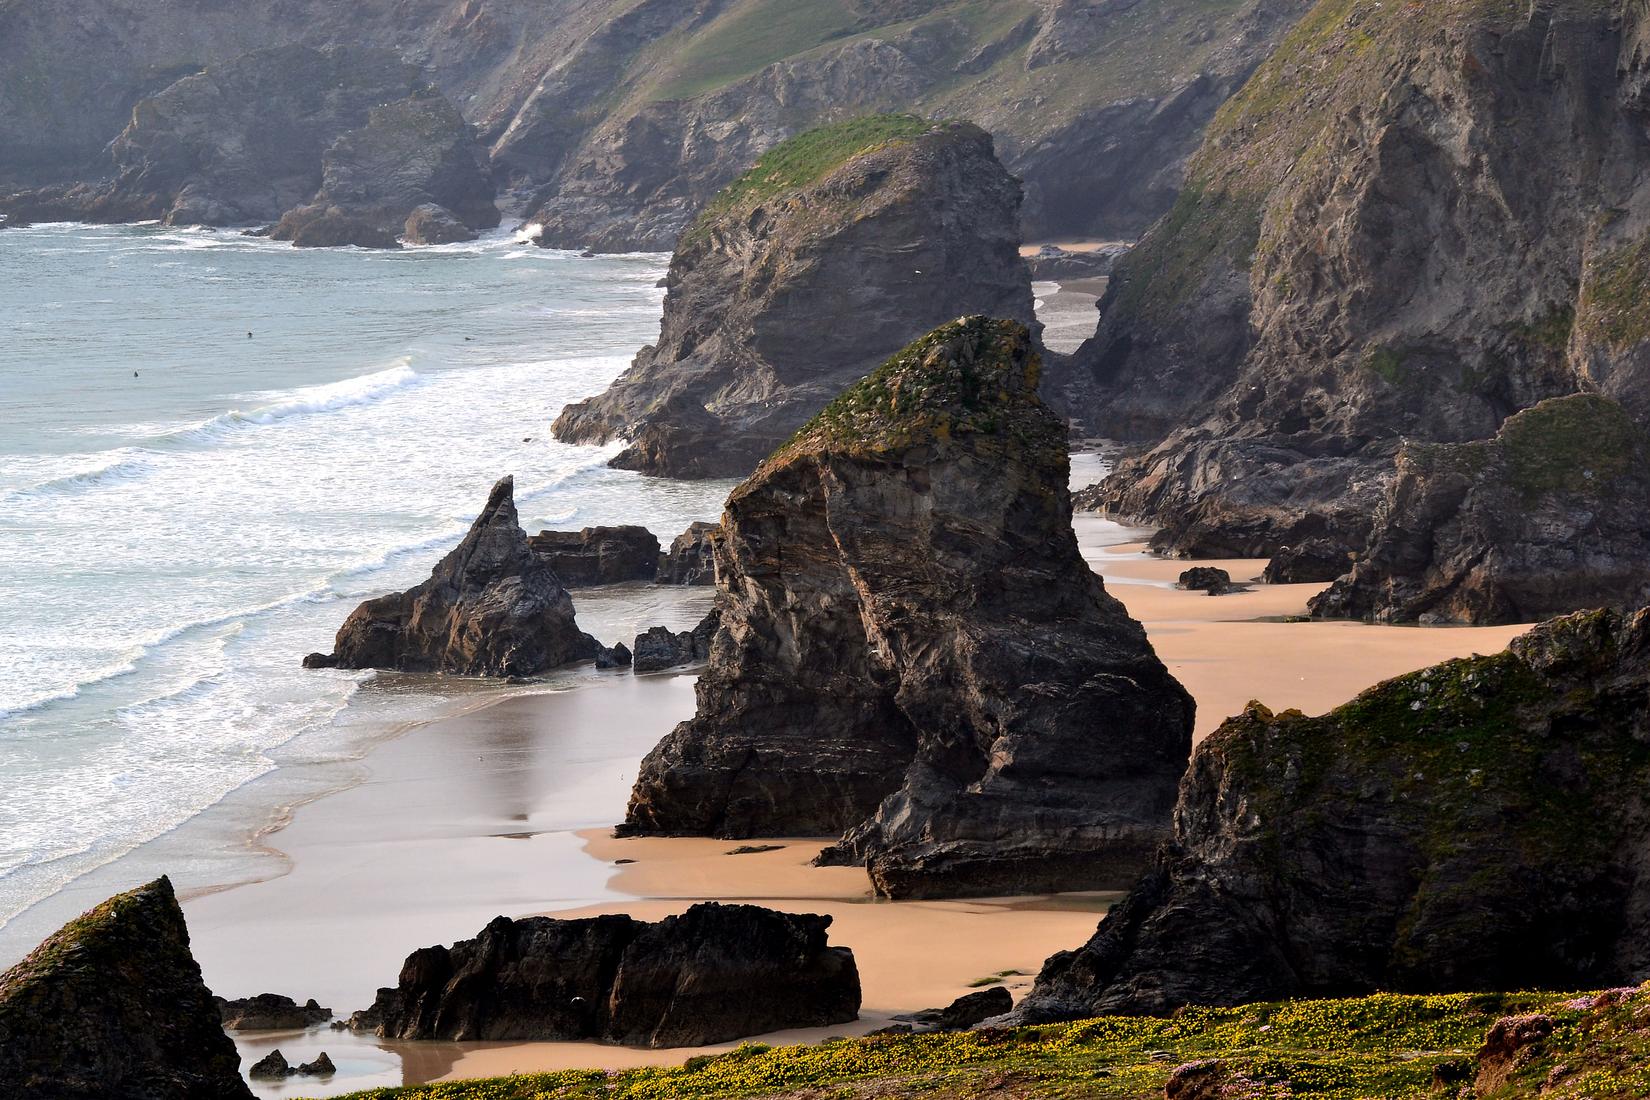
<point x="1342" y="274"/>
<point x="841" y="246"/>
<point x="491" y="607"/>
<point x="713" y="973"/>
<point x="913" y="652"/>
<point x="113" y="1004"/>
<point x="1477" y="825"/>
<point x="1546" y="517"/>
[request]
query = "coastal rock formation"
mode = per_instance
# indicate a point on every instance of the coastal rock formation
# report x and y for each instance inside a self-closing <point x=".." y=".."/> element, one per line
<point x="714" y="973"/>
<point x="690" y="559"/>
<point x="617" y="655"/>
<point x="1202" y="578"/>
<point x="890" y="224"/>
<point x="1056" y="263"/>
<point x="1314" y="561"/>
<point x="270" y="1012"/>
<point x="412" y="153"/>
<point x="491" y="607"/>
<point x="1345" y="272"/>
<point x="274" y="1067"/>
<point x="599" y="555"/>
<point x="433" y="224"/>
<point x="912" y="648"/>
<point x="112" y="1004"/>
<point x="340" y="144"/>
<point x="1476" y="825"/>
<point x="660" y="648"/>
<point x="1546" y="517"/>
<point x="961" y="1014"/>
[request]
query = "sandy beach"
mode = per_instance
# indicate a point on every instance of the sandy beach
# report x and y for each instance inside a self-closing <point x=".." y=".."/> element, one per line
<point x="506" y="809"/>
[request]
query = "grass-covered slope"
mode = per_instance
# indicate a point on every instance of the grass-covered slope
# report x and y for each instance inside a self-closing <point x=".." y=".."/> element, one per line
<point x="1383" y="1046"/>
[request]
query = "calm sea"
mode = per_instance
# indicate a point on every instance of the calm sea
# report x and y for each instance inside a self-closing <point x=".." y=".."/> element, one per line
<point x="211" y="448"/>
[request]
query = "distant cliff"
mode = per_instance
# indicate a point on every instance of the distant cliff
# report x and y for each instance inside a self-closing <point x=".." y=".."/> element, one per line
<point x="616" y="119"/>
<point x="913" y="651"/>
<point x="840" y="247"/>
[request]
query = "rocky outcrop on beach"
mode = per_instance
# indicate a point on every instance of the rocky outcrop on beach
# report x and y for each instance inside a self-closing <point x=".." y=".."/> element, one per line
<point x="599" y="555"/>
<point x="411" y="155"/>
<point x="661" y="648"/>
<point x="1346" y="273"/>
<point x="491" y="607"/>
<point x="913" y="651"/>
<point x="1476" y="825"/>
<point x="960" y="1015"/>
<point x="1546" y="517"/>
<point x="112" y="1004"/>
<point x="1055" y="263"/>
<point x="430" y="223"/>
<point x="690" y="559"/>
<point x="892" y="222"/>
<point x="340" y="145"/>
<point x="270" y="1012"/>
<point x="714" y="973"/>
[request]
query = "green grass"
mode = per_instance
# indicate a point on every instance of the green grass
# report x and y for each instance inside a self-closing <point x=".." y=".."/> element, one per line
<point x="1384" y="1046"/>
<point x="751" y="36"/>
<point x="807" y="158"/>
<point x="981" y="983"/>
<point x="1569" y="444"/>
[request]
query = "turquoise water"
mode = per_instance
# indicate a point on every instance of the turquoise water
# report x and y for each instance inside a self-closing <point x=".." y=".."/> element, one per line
<point x="211" y="448"/>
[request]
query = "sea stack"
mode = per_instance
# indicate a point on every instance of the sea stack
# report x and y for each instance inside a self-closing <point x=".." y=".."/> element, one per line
<point x="1476" y="825"/>
<point x="491" y="607"/>
<point x="913" y="651"/>
<point x="838" y="248"/>
<point x="113" y="1005"/>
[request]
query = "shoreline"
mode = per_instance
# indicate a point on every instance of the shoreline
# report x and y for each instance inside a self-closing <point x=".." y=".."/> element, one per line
<point x="507" y="809"/>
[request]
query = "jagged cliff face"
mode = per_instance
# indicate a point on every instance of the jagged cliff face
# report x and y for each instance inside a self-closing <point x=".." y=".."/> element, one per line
<point x="913" y="650"/>
<point x="1476" y="825"/>
<point x="786" y="293"/>
<point x="1413" y="222"/>
<point x="624" y="117"/>
<point x="112" y="1004"/>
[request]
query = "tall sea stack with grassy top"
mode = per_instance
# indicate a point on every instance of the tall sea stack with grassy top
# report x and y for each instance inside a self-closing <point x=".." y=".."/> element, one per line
<point x="839" y="247"/>
<point x="912" y="651"/>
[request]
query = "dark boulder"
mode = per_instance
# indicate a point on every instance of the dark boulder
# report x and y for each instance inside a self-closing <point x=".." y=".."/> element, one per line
<point x="492" y="607"/>
<point x="321" y="1067"/>
<point x="599" y="555"/>
<point x="782" y="295"/>
<point x="1315" y="561"/>
<point x="690" y="559"/>
<point x="715" y="973"/>
<point x="616" y="655"/>
<point x="1204" y="578"/>
<point x="1477" y="825"/>
<point x="271" y="1067"/>
<point x="270" y="1012"/>
<point x="112" y="1005"/>
<point x="913" y="650"/>
<point x="661" y="648"/>
<point x="431" y="223"/>
<point x="962" y="1013"/>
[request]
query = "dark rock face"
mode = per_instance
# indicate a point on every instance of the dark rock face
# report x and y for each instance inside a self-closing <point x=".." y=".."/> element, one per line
<point x="912" y="649"/>
<point x="1314" y="561"/>
<point x="617" y="655"/>
<point x="911" y="226"/>
<point x="492" y="607"/>
<point x="430" y="223"/>
<point x="690" y="559"/>
<point x="962" y="1013"/>
<point x="660" y="648"/>
<point x="412" y="153"/>
<point x="1203" y="578"/>
<point x="112" y="1004"/>
<point x="715" y="973"/>
<point x="270" y="1012"/>
<point x="1475" y="825"/>
<point x="599" y="555"/>
<point x="271" y="1067"/>
<point x="1546" y="517"/>
<point x="1341" y="273"/>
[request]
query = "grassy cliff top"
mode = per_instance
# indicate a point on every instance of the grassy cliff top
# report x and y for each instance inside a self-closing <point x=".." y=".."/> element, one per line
<point x="808" y="158"/>
<point x="1379" y="1046"/>
<point x="975" y="376"/>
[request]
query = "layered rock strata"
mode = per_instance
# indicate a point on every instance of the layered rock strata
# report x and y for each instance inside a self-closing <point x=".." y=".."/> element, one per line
<point x="715" y="973"/>
<point x="112" y="1004"/>
<point x="690" y="561"/>
<point x="1476" y="825"/>
<point x="599" y="555"/>
<point x="491" y="607"/>
<point x="1546" y="517"/>
<point x="913" y="650"/>
<point x="661" y="648"/>
<point x="836" y="250"/>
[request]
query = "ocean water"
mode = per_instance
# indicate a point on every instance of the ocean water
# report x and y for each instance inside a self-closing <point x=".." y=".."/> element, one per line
<point x="211" y="448"/>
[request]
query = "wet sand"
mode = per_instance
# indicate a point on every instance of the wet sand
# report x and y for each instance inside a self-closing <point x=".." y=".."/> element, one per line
<point x="506" y="810"/>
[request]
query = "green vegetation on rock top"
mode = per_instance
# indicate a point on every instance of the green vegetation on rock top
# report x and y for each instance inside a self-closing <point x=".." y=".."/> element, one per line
<point x="975" y="376"/>
<point x="1384" y="1046"/>
<point x="1575" y="443"/>
<point x="808" y="158"/>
